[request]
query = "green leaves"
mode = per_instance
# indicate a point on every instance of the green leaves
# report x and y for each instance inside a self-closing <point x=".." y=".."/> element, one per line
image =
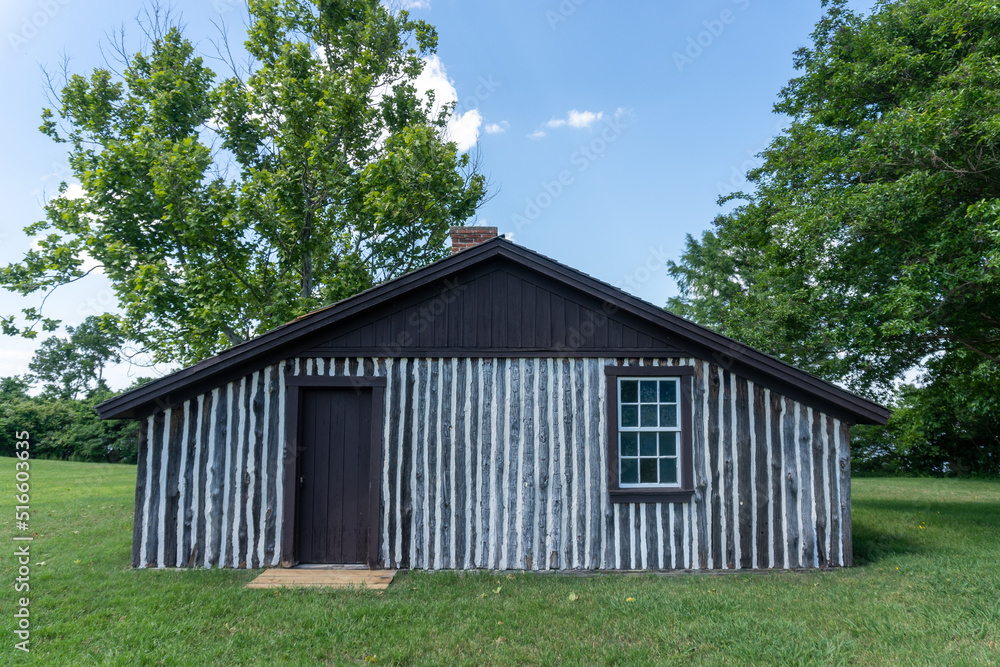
<point x="221" y="208"/>
<point x="869" y="245"/>
<point x="63" y="428"/>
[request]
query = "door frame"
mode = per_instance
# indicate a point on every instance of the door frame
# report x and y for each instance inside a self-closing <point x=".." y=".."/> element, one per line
<point x="294" y="385"/>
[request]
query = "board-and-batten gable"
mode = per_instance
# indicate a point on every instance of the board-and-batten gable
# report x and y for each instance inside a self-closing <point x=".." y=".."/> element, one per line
<point x="496" y="309"/>
<point x="490" y="463"/>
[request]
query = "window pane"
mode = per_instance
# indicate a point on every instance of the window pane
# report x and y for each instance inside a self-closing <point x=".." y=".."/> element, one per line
<point x="647" y="444"/>
<point x="668" y="444"/>
<point x="629" y="444"/>
<point x="647" y="468"/>
<point x="668" y="391"/>
<point x="668" y="471"/>
<point x="648" y="415"/>
<point x="630" y="391"/>
<point x="647" y="391"/>
<point x="630" y="415"/>
<point x="629" y="471"/>
<point x="668" y="416"/>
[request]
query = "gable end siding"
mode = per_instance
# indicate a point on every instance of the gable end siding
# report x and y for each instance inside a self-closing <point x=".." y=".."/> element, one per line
<point x="491" y="311"/>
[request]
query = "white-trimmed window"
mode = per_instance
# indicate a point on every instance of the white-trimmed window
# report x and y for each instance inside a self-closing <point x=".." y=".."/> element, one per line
<point x="649" y="434"/>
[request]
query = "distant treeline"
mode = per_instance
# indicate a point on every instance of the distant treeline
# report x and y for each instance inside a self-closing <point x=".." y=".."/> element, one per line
<point x="63" y="428"/>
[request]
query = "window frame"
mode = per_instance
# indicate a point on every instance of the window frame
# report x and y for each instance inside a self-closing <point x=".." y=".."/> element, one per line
<point x="656" y="430"/>
<point x="651" y="494"/>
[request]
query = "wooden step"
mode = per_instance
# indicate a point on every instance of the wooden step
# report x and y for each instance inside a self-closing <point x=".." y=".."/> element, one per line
<point x="323" y="578"/>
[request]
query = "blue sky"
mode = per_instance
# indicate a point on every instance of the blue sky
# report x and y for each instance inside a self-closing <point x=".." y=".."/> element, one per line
<point x="608" y="130"/>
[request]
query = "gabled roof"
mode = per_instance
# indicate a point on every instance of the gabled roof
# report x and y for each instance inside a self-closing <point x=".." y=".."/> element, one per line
<point x="287" y="340"/>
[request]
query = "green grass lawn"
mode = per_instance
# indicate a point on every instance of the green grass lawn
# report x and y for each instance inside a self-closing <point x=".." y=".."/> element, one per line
<point x="926" y="591"/>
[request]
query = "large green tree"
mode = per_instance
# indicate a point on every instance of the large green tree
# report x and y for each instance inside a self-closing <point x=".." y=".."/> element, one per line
<point x="222" y="207"/>
<point x="69" y="367"/>
<point x="869" y="244"/>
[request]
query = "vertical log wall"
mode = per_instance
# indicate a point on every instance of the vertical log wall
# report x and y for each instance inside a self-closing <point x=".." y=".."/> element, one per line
<point x="500" y="464"/>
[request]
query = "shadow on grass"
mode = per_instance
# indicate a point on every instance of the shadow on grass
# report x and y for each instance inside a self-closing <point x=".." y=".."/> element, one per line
<point x="872" y="546"/>
<point x="874" y="541"/>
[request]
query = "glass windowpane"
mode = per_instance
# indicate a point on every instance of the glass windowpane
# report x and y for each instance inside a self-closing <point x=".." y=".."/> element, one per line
<point x="629" y="471"/>
<point x="630" y="415"/>
<point x="668" y="391"/>
<point x="647" y="391"/>
<point x="668" y="471"/>
<point x="668" y="444"/>
<point x="629" y="444"/>
<point x="650" y="455"/>
<point x="668" y="416"/>
<point x="630" y="391"/>
<point x="647" y="469"/>
<point x="648" y="414"/>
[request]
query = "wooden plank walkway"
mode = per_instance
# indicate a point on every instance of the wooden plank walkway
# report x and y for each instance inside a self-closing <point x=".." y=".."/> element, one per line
<point x="323" y="578"/>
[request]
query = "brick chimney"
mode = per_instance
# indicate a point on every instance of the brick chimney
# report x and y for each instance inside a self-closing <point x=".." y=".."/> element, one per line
<point x="467" y="237"/>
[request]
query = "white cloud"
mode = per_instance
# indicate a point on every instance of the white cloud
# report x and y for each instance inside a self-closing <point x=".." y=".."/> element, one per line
<point x="73" y="191"/>
<point x="578" y="120"/>
<point x="583" y="119"/>
<point x="497" y="128"/>
<point x="463" y="128"/>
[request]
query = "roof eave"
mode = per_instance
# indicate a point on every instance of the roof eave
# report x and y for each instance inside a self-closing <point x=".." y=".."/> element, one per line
<point x="124" y="406"/>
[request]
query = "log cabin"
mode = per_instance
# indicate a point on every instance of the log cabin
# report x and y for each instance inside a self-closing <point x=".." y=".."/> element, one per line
<point x="494" y="410"/>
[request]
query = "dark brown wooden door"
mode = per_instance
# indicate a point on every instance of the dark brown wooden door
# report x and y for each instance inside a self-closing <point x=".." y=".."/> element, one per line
<point x="332" y="503"/>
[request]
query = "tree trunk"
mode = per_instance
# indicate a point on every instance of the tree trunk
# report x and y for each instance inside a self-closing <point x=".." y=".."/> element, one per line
<point x="307" y="270"/>
<point x="307" y="263"/>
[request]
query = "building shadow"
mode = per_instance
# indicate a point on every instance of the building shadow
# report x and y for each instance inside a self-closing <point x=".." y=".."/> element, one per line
<point x="884" y="529"/>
